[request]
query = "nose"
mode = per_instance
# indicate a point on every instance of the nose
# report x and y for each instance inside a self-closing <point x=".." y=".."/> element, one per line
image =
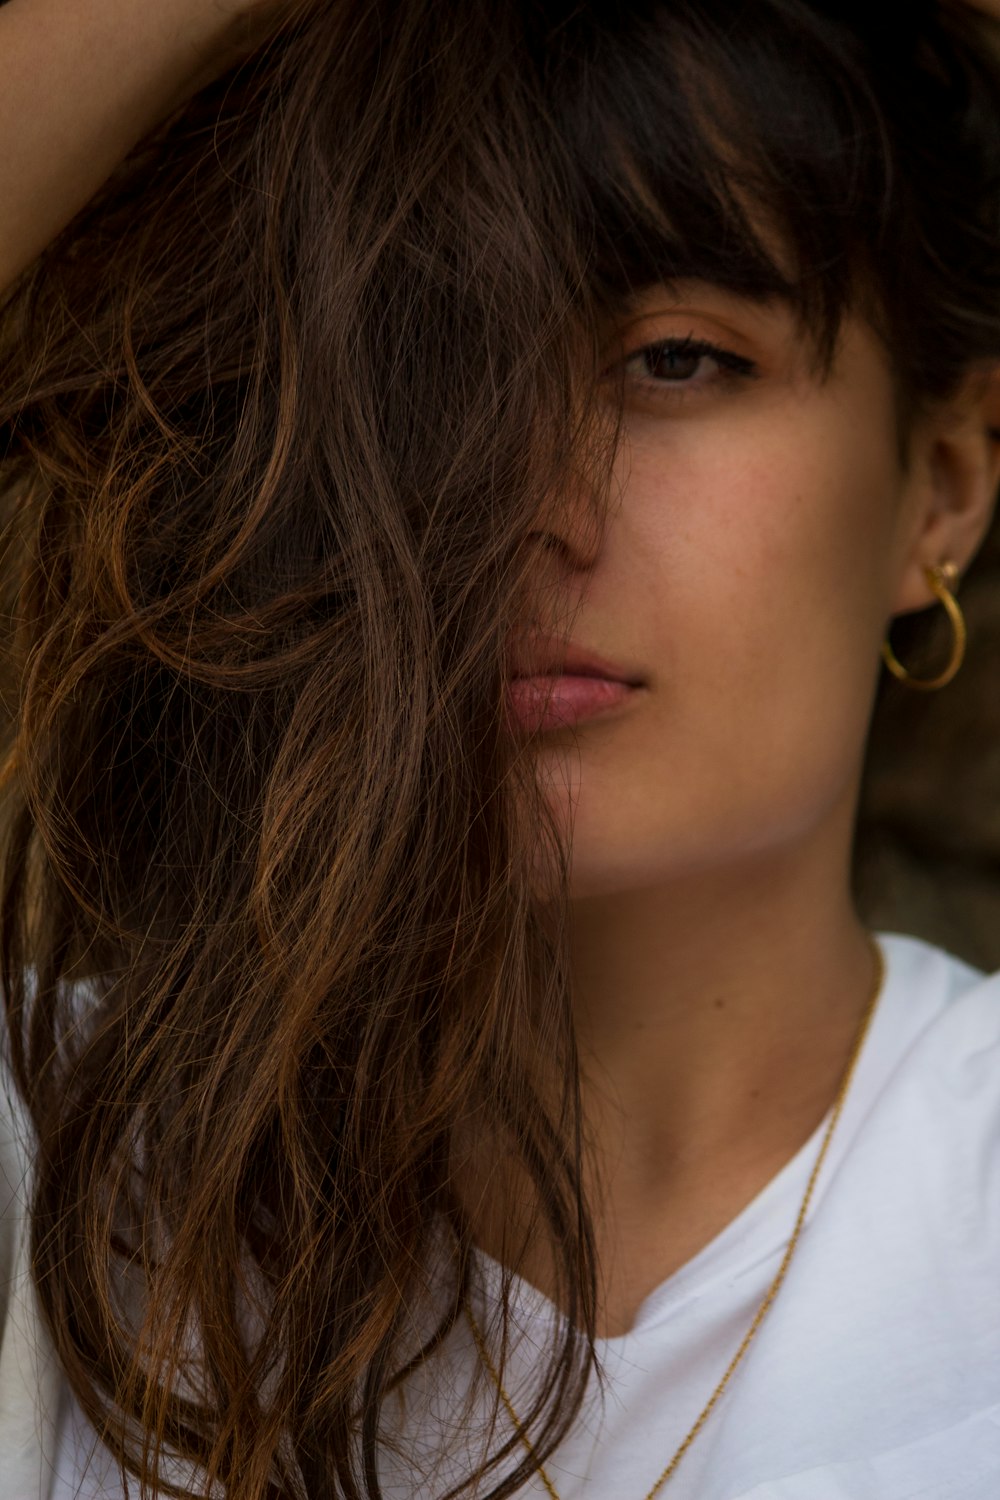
<point x="569" y="532"/>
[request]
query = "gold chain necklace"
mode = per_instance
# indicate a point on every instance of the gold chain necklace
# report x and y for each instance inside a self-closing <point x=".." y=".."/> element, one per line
<point x="772" y="1292"/>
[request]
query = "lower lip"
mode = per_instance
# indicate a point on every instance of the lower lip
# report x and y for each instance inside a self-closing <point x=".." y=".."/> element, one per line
<point x="539" y="703"/>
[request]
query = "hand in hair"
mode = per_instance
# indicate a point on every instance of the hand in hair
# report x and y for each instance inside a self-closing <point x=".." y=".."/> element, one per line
<point x="80" y="85"/>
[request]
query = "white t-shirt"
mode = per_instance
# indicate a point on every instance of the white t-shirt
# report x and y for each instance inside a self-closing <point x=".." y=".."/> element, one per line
<point x="875" y="1374"/>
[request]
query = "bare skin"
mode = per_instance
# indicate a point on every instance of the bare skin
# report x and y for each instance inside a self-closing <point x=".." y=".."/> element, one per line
<point x="108" y="71"/>
<point x="764" y="538"/>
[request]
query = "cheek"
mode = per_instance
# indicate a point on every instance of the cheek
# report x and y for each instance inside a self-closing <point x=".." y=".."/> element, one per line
<point x="764" y="537"/>
<point x="752" y="574"/>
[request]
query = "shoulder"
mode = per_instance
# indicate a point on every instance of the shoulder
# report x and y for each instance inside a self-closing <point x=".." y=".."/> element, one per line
<point x="15" y="1151"/>
<point x="929" y="971"/>
<point x="916" y="1156"/>
<point x="940" y="1031"/>
<point x="27" y="1380"/>
<point x="886" y="1341"/>
<point x="47" y="1451"/>
<point x="928" y="1121"/>
<point x="943" y="1010"/>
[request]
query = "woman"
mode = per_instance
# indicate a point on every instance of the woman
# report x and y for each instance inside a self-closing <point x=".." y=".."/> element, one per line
<point x="460" y="472"/>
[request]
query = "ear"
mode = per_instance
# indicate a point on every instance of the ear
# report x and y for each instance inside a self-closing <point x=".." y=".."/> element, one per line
<point x="955" y="472"/>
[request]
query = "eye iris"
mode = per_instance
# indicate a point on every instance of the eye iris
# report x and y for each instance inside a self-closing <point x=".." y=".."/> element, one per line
<point x="666" y="362"/>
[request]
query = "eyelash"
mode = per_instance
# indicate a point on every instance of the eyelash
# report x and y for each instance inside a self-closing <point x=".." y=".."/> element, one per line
<point x="732" y="367"/>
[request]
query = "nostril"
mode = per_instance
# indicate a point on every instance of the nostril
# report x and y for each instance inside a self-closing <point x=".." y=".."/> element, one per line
<point x="570" y="551"/>
<point x="547" y="541"/>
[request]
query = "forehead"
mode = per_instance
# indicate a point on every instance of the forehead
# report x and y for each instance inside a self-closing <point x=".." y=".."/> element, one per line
<point x="676" y="293"/>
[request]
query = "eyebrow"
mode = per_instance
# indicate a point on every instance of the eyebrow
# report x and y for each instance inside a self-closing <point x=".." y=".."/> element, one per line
<point x="761" y="292"/>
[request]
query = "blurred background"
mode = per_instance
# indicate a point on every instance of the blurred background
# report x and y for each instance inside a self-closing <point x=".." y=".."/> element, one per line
<point x="928" y="850"/>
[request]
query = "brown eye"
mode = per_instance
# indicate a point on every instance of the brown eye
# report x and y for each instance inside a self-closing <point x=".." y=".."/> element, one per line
<point x="680" y="362"/>
<point x="664" y="362"/>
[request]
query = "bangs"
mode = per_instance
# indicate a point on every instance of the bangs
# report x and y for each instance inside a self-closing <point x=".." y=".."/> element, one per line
<point x="736" y="144"/>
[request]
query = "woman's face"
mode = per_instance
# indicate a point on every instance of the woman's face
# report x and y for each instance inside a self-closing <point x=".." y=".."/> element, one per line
<point x="751" y="557"/>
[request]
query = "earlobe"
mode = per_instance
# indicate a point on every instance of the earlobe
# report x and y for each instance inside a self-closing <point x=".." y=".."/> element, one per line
<point x="942" y="582"/>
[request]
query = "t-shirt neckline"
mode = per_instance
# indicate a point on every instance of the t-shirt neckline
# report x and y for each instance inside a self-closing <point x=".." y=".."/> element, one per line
<point x="762" y="1228"/>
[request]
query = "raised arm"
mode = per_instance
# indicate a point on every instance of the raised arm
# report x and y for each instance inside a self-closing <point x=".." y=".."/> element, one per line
<point x="81" y="81"/>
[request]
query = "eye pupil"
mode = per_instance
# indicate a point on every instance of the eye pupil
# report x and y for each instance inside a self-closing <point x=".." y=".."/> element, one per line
<point x="694" y="363"/>
<point x="666" y="362"/>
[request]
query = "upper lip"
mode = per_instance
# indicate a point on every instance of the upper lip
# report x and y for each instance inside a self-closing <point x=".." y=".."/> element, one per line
<point x="536" y="655"/>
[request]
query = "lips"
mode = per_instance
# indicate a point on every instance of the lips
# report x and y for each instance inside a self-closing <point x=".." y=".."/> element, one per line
<point x="557" y="684"/>
<point x="535" y="655"/>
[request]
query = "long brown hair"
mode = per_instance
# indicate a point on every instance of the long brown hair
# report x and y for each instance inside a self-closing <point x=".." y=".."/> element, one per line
<point x="281" y="412"/>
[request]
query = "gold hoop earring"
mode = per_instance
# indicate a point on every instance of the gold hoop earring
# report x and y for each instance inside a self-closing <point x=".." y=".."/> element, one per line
<point x="941" y="580"/>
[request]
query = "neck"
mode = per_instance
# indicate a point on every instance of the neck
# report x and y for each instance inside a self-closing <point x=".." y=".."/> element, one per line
<point x="715" y="1017"/>
<point x="708" y="1008"/>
